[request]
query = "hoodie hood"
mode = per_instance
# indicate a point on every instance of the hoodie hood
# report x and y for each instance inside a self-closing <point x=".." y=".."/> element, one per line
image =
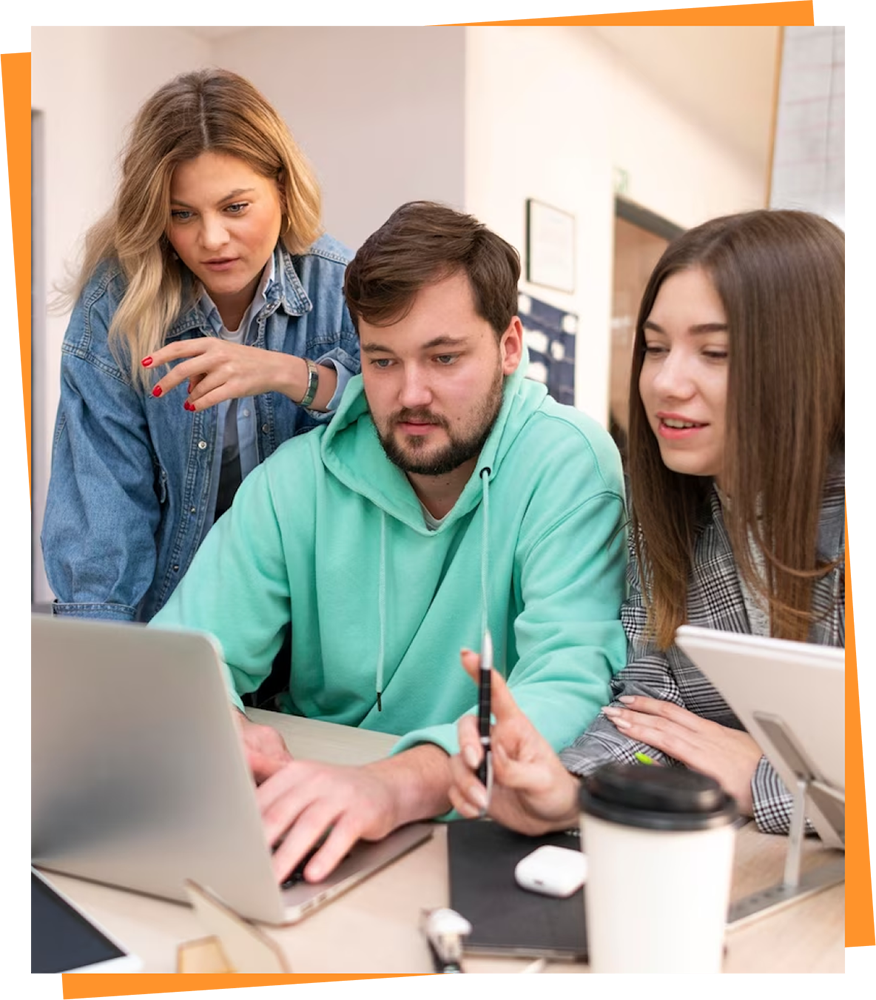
<point x="352" y="452"/>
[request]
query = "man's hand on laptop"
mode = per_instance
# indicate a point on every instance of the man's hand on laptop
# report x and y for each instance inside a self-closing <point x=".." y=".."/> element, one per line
<point x="306" y="799"/>
<point x="265" y="750"/>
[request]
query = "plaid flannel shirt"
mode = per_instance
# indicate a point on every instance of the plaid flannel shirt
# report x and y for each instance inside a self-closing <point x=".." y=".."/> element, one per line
<point x="714" y="601"/>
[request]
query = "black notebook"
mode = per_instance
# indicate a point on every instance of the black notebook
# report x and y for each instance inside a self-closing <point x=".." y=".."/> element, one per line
<point x="506" y="919"/>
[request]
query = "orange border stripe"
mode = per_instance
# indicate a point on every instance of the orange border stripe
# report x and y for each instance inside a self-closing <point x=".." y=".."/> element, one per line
<point x="625" y="12"/>
<point x="230" y="987"/>
<point x="860" y="698"/>
<point x="15" y="397"/>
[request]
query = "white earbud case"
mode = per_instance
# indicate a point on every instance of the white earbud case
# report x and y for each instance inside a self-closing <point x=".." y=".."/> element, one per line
<point x="553" y="871"/>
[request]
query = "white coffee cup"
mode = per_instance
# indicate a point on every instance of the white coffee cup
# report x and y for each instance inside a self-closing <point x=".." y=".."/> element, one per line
<point x="659" y="842"/>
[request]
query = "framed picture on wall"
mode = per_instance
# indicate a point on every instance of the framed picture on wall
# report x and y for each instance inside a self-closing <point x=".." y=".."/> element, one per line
<point x="550" y="246"/>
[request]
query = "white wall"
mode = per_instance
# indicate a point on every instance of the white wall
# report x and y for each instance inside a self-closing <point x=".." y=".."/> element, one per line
<point x="673" y="165"/>
<point x="87" y="83"/>
<point x="537" y="126"/>
<point x="550" y="112"/>
<point x="378" y="111"/>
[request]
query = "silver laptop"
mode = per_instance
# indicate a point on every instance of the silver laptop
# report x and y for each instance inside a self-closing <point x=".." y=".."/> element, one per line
<point x="790" y="696"/>
<point x="139" y="780"/>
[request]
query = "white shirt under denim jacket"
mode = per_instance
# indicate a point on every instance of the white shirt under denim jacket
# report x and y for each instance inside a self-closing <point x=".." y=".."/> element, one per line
<point x="134" y="479"/>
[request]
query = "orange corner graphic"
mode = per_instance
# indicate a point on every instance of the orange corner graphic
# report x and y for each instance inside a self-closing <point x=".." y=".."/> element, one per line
<point x="628" y="12"/>
<point x="860" y="695"/>
<point x="231" y="987"/>
<point x="15" y="280"/>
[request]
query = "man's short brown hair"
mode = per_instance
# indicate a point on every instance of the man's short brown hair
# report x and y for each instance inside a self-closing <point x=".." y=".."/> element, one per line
<point x="421" y="243"/>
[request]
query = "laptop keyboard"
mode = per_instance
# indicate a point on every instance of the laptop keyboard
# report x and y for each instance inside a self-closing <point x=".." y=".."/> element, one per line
<point x="297" y="873"/>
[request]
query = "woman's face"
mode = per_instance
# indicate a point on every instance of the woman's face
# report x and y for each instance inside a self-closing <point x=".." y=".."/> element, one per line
<point x="224" y="224"/>
<point x="683" y="381"/>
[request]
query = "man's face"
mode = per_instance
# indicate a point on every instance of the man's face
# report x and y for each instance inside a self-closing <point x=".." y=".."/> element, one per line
<point x="433" y="380"/>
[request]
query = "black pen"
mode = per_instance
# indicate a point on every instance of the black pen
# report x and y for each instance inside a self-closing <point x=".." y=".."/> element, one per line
<point x="485" y="768"/>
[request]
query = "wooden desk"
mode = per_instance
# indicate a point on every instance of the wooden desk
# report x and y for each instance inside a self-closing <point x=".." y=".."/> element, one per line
<point x="374" y="927"/>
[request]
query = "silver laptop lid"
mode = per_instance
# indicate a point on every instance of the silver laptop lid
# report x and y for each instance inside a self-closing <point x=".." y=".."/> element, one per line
<point x="138" y="778"/>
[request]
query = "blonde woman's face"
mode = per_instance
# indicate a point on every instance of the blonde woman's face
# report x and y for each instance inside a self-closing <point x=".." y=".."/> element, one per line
<point x="224" y="224"/>
<point x="683" y="381"/>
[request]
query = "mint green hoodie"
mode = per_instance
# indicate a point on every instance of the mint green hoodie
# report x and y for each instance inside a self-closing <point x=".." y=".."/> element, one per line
<point x="328" y="533"/>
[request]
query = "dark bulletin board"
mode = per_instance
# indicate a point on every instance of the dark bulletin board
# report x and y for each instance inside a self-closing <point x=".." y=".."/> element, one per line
<point x="550" y="334"/>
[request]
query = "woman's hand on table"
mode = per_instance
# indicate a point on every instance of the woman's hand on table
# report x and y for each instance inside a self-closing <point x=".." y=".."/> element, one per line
<point x="730" y="756"/>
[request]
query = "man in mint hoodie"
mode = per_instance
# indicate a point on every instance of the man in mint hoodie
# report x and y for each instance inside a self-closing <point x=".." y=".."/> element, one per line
<point x="448" y="493"/>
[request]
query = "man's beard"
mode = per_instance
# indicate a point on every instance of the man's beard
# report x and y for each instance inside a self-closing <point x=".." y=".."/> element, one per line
<point x="458" y="450"/>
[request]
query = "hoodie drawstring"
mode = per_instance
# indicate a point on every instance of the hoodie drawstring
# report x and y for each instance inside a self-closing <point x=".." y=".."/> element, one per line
<point x="381" y="599"/>
<point x="484" y="475"/>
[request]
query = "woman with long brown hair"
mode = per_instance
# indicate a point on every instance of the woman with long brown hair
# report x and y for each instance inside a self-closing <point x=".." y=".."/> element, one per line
<point x="209" y="327"/>
<point x="736" y="468"/>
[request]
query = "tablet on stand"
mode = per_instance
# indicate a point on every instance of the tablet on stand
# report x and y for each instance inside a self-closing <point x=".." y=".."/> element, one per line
<point x="790" y="696"/>
<point x="810" y="792"/>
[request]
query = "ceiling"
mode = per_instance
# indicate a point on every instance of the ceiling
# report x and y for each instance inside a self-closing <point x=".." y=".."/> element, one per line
<point x="723" y="77"/>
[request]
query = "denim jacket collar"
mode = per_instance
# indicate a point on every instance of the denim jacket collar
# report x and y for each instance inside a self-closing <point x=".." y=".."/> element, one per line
<point x="285" y="290"/>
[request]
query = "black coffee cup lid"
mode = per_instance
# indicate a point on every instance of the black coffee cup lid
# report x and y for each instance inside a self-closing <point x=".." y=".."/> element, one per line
<point x="657" y="798"/>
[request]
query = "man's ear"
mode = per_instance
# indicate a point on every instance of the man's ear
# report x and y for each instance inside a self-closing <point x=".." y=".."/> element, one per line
<point x="511" y="346"/>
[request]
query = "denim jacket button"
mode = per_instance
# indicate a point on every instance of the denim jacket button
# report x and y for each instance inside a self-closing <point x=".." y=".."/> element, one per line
<point x="193" y="510"/>
<point x="264" y="428"/>
<point x="202" y="445"/>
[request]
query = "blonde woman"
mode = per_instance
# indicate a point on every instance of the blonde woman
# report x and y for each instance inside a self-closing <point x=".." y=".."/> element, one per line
<point x="209" y="327"/>
<point x="737" y="488"/>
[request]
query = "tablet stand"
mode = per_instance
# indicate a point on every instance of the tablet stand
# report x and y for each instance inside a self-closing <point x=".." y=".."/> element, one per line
<point x="810" y="791"/>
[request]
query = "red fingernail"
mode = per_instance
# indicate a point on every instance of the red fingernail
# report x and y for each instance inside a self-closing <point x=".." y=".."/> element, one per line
<point x="156" y="391"/>
<point x="189" y="406"/>
<point x="146" y="362"/>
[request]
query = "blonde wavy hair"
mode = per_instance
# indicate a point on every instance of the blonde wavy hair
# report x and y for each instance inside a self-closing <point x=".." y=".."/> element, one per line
<point x="210" y="110"/>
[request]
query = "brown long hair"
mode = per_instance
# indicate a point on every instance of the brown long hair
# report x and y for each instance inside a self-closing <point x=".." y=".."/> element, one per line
<point x="780" y="276"/>
<point x="208" y="110"/>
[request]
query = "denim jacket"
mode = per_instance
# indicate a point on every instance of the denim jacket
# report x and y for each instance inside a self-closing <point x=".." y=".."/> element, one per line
<point x="128" y="500"/>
